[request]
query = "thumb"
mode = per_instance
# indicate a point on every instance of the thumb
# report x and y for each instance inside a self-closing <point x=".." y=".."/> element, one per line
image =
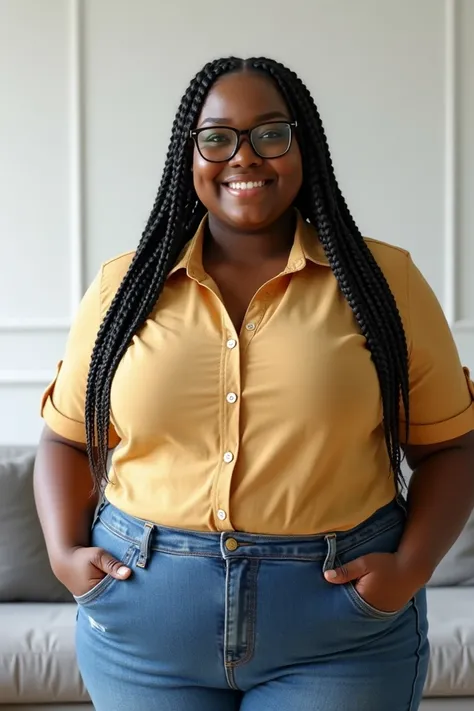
<point x="351" y="571"/>
<point x="112" y="566"/>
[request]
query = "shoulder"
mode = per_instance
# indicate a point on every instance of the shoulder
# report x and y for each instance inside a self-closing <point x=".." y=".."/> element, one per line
<point x="396" y="265"/>
<point x="393" y="261"/>
<point x="111" y="276"/>
<point x="385" y="253"/>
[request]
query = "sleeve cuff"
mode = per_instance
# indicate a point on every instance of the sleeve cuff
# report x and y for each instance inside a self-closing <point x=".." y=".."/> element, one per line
<point x="65" y="426"/>
<point x="448" y="429"/>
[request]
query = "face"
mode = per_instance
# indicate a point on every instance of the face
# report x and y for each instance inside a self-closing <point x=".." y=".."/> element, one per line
<point x="243" y="101"/>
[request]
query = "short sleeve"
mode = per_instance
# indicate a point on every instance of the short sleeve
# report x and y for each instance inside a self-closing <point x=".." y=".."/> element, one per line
<point x="441" y="390"/>
<point x="63" y="402"/>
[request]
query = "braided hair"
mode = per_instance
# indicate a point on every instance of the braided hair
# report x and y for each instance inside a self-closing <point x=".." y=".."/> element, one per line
<point x="174" y="218"/>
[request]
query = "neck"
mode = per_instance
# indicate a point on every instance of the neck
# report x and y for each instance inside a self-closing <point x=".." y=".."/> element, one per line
<point x="225" y="244"/>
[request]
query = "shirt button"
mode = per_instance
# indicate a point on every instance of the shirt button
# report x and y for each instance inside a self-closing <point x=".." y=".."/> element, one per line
<point x="231" y="343"/>
<point x="250" y="327"/>
<point x="228" y="457"/>
<point x="221" y="515"/>
<point x="231" y="397"/>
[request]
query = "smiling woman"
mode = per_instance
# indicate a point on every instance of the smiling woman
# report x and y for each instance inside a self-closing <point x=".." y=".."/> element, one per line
<point x="244" y="136"/>
<point x="261" y="366"/>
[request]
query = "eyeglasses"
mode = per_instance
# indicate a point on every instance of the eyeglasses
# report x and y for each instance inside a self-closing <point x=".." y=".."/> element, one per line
<point x="218" y="144"/>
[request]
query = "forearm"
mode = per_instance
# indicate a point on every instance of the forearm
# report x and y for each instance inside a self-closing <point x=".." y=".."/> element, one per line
<point x="63" y="494"/>
<point x="440" y="500"/>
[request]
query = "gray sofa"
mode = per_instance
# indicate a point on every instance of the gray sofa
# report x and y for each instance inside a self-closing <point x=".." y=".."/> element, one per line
<point x="37" y="615"/>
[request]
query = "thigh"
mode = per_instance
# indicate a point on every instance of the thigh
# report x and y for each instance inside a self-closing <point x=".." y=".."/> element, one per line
<point x="387" y="673"/>
<point x="154" y="641"/>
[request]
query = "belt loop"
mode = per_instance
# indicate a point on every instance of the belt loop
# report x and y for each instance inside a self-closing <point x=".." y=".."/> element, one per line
<point x="330" y="561"/>
<point x="145" y="545"/>
<point x="99" y="510"/>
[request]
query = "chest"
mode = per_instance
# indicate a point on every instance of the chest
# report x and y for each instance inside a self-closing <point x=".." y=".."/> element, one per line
<point x="299" y="356"/>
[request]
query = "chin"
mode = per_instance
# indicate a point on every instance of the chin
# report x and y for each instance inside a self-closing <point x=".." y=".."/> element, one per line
<point x="249" y="219"/>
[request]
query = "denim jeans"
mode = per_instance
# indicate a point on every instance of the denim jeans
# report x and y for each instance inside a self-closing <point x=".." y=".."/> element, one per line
<point x="246" y="622"/>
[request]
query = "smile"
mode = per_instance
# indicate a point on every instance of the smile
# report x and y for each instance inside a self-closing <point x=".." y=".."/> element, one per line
<point x="246" y="188"/>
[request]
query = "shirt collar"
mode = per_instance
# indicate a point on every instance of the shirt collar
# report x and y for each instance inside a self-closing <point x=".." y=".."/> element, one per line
<point x="306" y="246"/>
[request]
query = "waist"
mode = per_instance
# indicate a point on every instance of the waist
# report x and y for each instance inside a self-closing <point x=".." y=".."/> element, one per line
<point x="226" y="544"/>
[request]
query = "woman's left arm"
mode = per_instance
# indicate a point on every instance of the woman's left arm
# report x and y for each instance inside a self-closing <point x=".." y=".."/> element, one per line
<point x="440" y="500"/>
<point x="440" y="451"/>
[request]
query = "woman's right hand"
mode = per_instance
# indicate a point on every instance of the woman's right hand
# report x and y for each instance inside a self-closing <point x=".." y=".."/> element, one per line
<point x="81" y="568"/>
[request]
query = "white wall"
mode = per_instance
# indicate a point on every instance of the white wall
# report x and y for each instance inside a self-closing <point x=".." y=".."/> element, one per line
<point x="88" y="91"/>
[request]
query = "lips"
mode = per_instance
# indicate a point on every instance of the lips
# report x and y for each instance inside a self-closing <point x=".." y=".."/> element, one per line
<point x="247" y="184"/>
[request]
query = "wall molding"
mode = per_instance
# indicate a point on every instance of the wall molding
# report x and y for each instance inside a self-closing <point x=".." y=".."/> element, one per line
<point x="450" y="165"/>
<point x="76" y="223"/>
<point x="34" y="325"/>
<point x="22" y="378"/>
<point x="451" y="146"/>
<point x="463" y="326"/>
<point x="77" y="175"/>
<point x="76" y="178"/>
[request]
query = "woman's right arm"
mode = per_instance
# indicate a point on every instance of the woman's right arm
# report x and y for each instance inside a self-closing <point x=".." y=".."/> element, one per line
<point x="66" y="506"/>
<point x="63" y="493"/>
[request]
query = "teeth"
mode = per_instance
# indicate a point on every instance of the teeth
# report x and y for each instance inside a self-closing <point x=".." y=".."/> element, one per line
<point x="247" y="186"/>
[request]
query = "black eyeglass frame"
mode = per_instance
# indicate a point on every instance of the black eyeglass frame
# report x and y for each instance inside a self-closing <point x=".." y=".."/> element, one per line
<point x="194" y="134"/>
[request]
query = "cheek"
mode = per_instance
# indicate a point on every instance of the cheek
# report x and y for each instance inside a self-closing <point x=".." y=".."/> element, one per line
<point x="204" y="176"/>
<point x="290" y="170"/>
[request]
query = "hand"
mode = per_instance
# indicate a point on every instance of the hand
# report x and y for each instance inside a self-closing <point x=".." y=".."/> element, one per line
<point x="381" y="580"/>
<point x="82" y="568"/>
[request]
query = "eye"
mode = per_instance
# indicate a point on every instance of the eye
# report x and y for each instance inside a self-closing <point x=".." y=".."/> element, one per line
<point x="214" y="138"/>
<point x="271" y="134"/>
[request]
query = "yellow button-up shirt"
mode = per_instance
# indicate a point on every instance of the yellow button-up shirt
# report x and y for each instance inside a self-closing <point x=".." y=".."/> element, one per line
<point x="276" y="429"/>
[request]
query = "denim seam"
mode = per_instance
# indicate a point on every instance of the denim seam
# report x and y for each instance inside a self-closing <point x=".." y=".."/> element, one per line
<point x="228" y="669"/>
<point x="314" y="558"/>
<point x="378" y="532"/>
<point x="369" y="610"/>
<point x="251" y="623"/>
<point x="418" y="655"/>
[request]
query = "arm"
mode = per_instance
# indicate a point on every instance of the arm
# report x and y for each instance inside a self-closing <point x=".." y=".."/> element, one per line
<point x="63" y="494"/>
<point x="62" y="479"/>
<point x="440" y="500"/>
<point x="440" y="450"/>
<point x="65" y="503"/>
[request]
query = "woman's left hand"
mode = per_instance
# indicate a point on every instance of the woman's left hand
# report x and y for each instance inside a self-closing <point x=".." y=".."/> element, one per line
<point x="381" y="580"/>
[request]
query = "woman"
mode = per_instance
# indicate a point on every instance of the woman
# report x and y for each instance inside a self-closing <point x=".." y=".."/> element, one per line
<point x="256" y="366"/>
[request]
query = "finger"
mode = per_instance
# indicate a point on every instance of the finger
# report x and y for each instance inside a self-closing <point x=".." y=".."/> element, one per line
<point x="351" y="571"/>
<point x="112" y="566"/>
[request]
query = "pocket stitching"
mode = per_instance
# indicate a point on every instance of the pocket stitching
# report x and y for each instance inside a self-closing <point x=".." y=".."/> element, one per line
<point x="368" y="609"/>
<point x="104" y="584"/>
<point x="371" y="612"/>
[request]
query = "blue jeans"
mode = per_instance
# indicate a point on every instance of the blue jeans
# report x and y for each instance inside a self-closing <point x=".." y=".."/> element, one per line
<point x="244" y="622"/>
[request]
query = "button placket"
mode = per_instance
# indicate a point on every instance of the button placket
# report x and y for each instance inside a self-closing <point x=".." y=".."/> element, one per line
<point x="230" y="415"/>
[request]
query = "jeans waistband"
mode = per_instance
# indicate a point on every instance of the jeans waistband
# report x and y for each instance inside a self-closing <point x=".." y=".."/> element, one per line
<point x="234" y="544"/>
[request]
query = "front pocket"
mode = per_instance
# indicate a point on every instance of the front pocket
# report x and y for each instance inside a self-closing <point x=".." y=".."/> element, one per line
<point x="386" y="540"/>
<point x="365" y="607"/>
<point x="106" y="583"/>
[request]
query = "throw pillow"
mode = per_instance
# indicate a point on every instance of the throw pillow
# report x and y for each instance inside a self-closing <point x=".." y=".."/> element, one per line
<point x="25" y="572"/>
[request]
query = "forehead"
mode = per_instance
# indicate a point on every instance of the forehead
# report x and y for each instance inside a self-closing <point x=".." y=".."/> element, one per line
<point x="241" y="98"/>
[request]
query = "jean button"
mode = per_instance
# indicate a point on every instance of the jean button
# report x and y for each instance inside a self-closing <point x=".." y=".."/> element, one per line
<point x="231" y="544"/>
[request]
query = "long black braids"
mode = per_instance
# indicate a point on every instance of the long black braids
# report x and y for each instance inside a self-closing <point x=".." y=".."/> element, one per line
<point x="174" y="218"/>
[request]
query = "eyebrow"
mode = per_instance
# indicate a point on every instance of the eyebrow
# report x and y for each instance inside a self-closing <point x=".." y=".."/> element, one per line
<point x="261" y="117"/>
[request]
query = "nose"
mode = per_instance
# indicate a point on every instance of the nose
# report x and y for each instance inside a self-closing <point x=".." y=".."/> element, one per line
<point x="245" y="156"/>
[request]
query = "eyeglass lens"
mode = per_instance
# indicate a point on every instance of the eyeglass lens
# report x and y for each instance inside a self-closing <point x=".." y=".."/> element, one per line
<point x="268" y="140"/>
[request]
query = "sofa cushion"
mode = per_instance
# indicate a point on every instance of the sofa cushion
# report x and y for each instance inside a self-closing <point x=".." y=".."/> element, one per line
<point x="25" y="572"/>
<point x="451" y="619"/>
<point x="37" y="656"/>
<point x="457" y="568"/>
